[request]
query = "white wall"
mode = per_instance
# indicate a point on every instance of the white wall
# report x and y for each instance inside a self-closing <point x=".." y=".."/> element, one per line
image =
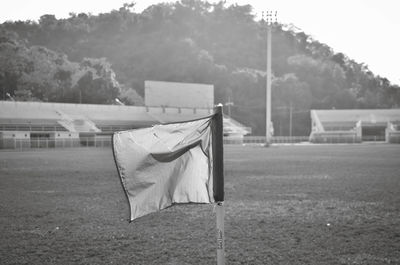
<point x="183" y="95"/>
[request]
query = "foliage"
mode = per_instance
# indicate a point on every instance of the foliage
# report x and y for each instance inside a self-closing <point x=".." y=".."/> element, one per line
<point x="37" y="73"/>
<point x="187" y="41"/>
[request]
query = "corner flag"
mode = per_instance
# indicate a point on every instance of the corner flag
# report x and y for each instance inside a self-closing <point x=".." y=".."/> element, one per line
<point x="171" y="163"/>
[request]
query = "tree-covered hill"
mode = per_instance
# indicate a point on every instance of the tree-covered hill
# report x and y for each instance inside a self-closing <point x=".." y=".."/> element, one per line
<point x="95" y="58"/>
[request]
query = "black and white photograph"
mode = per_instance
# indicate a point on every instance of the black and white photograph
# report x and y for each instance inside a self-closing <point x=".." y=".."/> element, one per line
<point x="197" y="132"/>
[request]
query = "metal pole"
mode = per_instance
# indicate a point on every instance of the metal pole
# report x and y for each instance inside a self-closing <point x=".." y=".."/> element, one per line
<point x="220" y="212"/>
<point x="290" y="119"/>
<point x="218" y="181"/>
<point x="229" y="104"/>
<point x="268" y="91"/>
<point x="218" y="155"/>
<point x="268" y="127"/>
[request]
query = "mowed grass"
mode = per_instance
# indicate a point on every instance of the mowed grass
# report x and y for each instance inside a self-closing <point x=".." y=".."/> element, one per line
<point x="324" y="204"/>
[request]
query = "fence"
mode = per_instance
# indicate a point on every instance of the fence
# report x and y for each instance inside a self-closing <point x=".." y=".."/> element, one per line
<point x="373" y="138"/>
<point x="329" y="137"/>
<point x="249" y="140"/>
<point x="23" y="144"/>
<point x="32" y="128"/>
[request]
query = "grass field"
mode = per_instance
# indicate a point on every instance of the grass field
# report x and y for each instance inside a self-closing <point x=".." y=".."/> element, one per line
<point x="332" y="204"/>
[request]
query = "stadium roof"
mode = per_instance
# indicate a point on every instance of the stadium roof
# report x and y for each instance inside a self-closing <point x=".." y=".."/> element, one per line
<point x="12" y="111"/>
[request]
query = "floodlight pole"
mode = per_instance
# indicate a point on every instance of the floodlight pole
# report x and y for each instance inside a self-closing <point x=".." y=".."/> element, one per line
<point x="268" y="92"/>
<point x="290" y="118"/>
<point x="268" y="127"/>
<point x="229" y="104"/>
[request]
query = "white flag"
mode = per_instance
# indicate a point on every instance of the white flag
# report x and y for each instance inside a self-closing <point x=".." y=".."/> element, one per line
<point x="165" y="164"/>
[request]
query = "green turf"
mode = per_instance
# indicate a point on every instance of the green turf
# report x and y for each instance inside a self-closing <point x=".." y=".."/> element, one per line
<point x="67" y="207"/>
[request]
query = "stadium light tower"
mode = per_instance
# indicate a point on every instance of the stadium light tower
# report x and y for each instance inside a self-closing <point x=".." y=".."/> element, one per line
<point x="229" y="104"/>
<point x="268" y="128"/>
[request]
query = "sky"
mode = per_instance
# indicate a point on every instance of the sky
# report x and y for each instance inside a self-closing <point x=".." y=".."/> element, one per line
<point x="367" y="31"/>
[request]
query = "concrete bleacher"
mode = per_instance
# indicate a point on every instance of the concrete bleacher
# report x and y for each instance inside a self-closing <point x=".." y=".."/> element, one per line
<point x="355" y="125"/>
<point x="71" y="117"/>
<point x="25" y="112"/>
<point x="30" y="123"/>
<point x="28" y="117"/>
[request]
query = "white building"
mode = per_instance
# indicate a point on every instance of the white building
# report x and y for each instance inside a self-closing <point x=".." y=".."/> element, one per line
<point x="355" y="125"/>
<point x="39" y="124"/>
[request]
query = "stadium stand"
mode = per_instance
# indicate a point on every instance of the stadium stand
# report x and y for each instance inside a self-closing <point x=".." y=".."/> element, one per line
<point x="355" y="126"/>
<point x="44" y="125"/>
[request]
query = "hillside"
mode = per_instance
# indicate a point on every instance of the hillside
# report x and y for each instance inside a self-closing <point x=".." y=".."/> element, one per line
<point x="95" y="58"/>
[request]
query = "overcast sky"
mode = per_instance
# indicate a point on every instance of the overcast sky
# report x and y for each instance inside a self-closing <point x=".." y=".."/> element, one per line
<point x="367" y="31"/>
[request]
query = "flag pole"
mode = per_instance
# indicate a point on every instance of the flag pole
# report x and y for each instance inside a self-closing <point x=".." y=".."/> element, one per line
<point x="220" y="212"/>
<point x="218" y="181"/>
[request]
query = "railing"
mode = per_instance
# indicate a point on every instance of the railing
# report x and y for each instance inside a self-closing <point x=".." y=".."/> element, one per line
<point x="34" y="128"/>
<point x="115" y="128"/>
<point x="261" y="140"/>
<point x="373" y="138"/>
<point x="339" y="137"/>
<point x="106" y="142"/>
<point x="22" y="144"/>
<point x="289" y="139"/>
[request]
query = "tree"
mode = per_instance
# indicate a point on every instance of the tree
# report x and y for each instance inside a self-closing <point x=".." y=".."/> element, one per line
<point x="14" y="62"/>
<point x="324" y="77"/>
<point x="38" y="73"/>
<point x="96" y="82"/>
<point x="290" y="96"/>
